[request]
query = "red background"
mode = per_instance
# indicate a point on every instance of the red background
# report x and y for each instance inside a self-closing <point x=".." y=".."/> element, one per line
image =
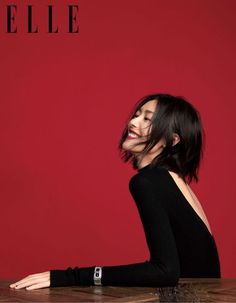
<point x="64" y="99"/>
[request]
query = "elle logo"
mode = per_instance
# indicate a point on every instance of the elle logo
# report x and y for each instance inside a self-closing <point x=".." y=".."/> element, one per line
<point x="33" y="28"/>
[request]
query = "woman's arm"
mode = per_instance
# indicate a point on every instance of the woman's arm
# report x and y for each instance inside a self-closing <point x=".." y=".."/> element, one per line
<point x="163" y="267"/>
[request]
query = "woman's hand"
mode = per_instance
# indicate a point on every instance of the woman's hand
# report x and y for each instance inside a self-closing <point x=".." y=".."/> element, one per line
<point x="35" y="281"/>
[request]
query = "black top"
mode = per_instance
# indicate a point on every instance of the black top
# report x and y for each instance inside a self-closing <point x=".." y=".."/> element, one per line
<point x="179" y="242"/>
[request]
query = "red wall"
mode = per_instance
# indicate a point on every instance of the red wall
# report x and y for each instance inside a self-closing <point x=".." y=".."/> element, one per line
<point x="64" y="99"/>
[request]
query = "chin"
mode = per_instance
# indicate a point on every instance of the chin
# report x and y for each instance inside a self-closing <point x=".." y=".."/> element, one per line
<point x="130" y="149"/>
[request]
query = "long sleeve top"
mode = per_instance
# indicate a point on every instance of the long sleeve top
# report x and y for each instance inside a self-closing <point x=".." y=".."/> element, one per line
<point x="179" y="242"/>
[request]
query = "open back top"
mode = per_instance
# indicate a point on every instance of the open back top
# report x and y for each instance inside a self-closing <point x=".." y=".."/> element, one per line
<point x="179" y="242"/>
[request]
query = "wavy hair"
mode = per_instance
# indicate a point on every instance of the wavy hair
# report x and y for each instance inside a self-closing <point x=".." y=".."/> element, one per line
<point x="173" y="114"/>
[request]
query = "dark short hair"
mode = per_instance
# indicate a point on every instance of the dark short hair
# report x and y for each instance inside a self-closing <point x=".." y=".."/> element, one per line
<point x="173" y="114"/>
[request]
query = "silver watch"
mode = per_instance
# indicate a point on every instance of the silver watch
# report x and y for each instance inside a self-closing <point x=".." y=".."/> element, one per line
<point x="97" y="276"/>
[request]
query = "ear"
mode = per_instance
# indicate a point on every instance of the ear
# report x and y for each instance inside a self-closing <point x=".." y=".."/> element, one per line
<point x="176" y="139"/>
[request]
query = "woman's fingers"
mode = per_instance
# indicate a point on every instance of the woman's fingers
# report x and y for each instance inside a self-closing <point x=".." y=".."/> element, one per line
<point x="33" y="281"/>
<point x="22" y="281"/>
<point x="39" y="285"/>
<point x="28" y="282"/>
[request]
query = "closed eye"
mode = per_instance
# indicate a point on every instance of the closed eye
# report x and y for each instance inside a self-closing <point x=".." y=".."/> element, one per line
<point x="146" y="119"/>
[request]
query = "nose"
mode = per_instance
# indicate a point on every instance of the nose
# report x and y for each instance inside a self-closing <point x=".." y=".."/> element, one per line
<point x="138" y="123"/>
<point x="134" y="123"/>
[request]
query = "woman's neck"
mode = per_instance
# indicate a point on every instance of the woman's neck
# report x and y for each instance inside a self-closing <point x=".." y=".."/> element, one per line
<point x="144" y="162"/>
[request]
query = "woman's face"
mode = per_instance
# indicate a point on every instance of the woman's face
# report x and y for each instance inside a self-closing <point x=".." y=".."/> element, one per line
<point x="139" y="127"/>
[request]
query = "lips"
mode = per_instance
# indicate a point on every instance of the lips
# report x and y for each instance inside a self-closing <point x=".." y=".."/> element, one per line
<point x="132" y="135"/>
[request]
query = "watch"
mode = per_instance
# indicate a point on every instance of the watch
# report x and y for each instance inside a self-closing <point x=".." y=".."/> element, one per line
<point x="97" y="275"/>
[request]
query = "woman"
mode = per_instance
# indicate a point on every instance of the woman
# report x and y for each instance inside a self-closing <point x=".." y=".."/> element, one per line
<point x="163" y="141"/>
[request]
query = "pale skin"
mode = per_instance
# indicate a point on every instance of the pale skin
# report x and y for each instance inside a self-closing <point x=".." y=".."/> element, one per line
<point x="140" y="124"/>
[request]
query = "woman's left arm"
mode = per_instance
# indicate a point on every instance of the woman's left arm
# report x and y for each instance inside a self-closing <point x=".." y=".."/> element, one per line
<point x="161" y="270"/>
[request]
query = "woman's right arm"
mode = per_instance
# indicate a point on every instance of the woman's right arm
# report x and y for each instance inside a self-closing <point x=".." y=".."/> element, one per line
<point x="163" y="267"/>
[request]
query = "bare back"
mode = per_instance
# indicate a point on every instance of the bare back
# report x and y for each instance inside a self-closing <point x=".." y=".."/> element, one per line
<point x="191" y="198"/>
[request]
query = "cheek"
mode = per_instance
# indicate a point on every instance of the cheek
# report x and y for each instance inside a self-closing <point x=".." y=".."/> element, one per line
<point x="146" y="130"/>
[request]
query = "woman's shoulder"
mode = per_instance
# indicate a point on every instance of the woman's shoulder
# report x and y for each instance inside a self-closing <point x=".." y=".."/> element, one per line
<point x="149" y="171"/>
<point x="149" y="184"/>
<point x="157" y="176"/>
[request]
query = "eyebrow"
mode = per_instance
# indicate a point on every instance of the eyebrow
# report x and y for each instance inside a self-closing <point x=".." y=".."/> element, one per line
<point x="146" y="111"/>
